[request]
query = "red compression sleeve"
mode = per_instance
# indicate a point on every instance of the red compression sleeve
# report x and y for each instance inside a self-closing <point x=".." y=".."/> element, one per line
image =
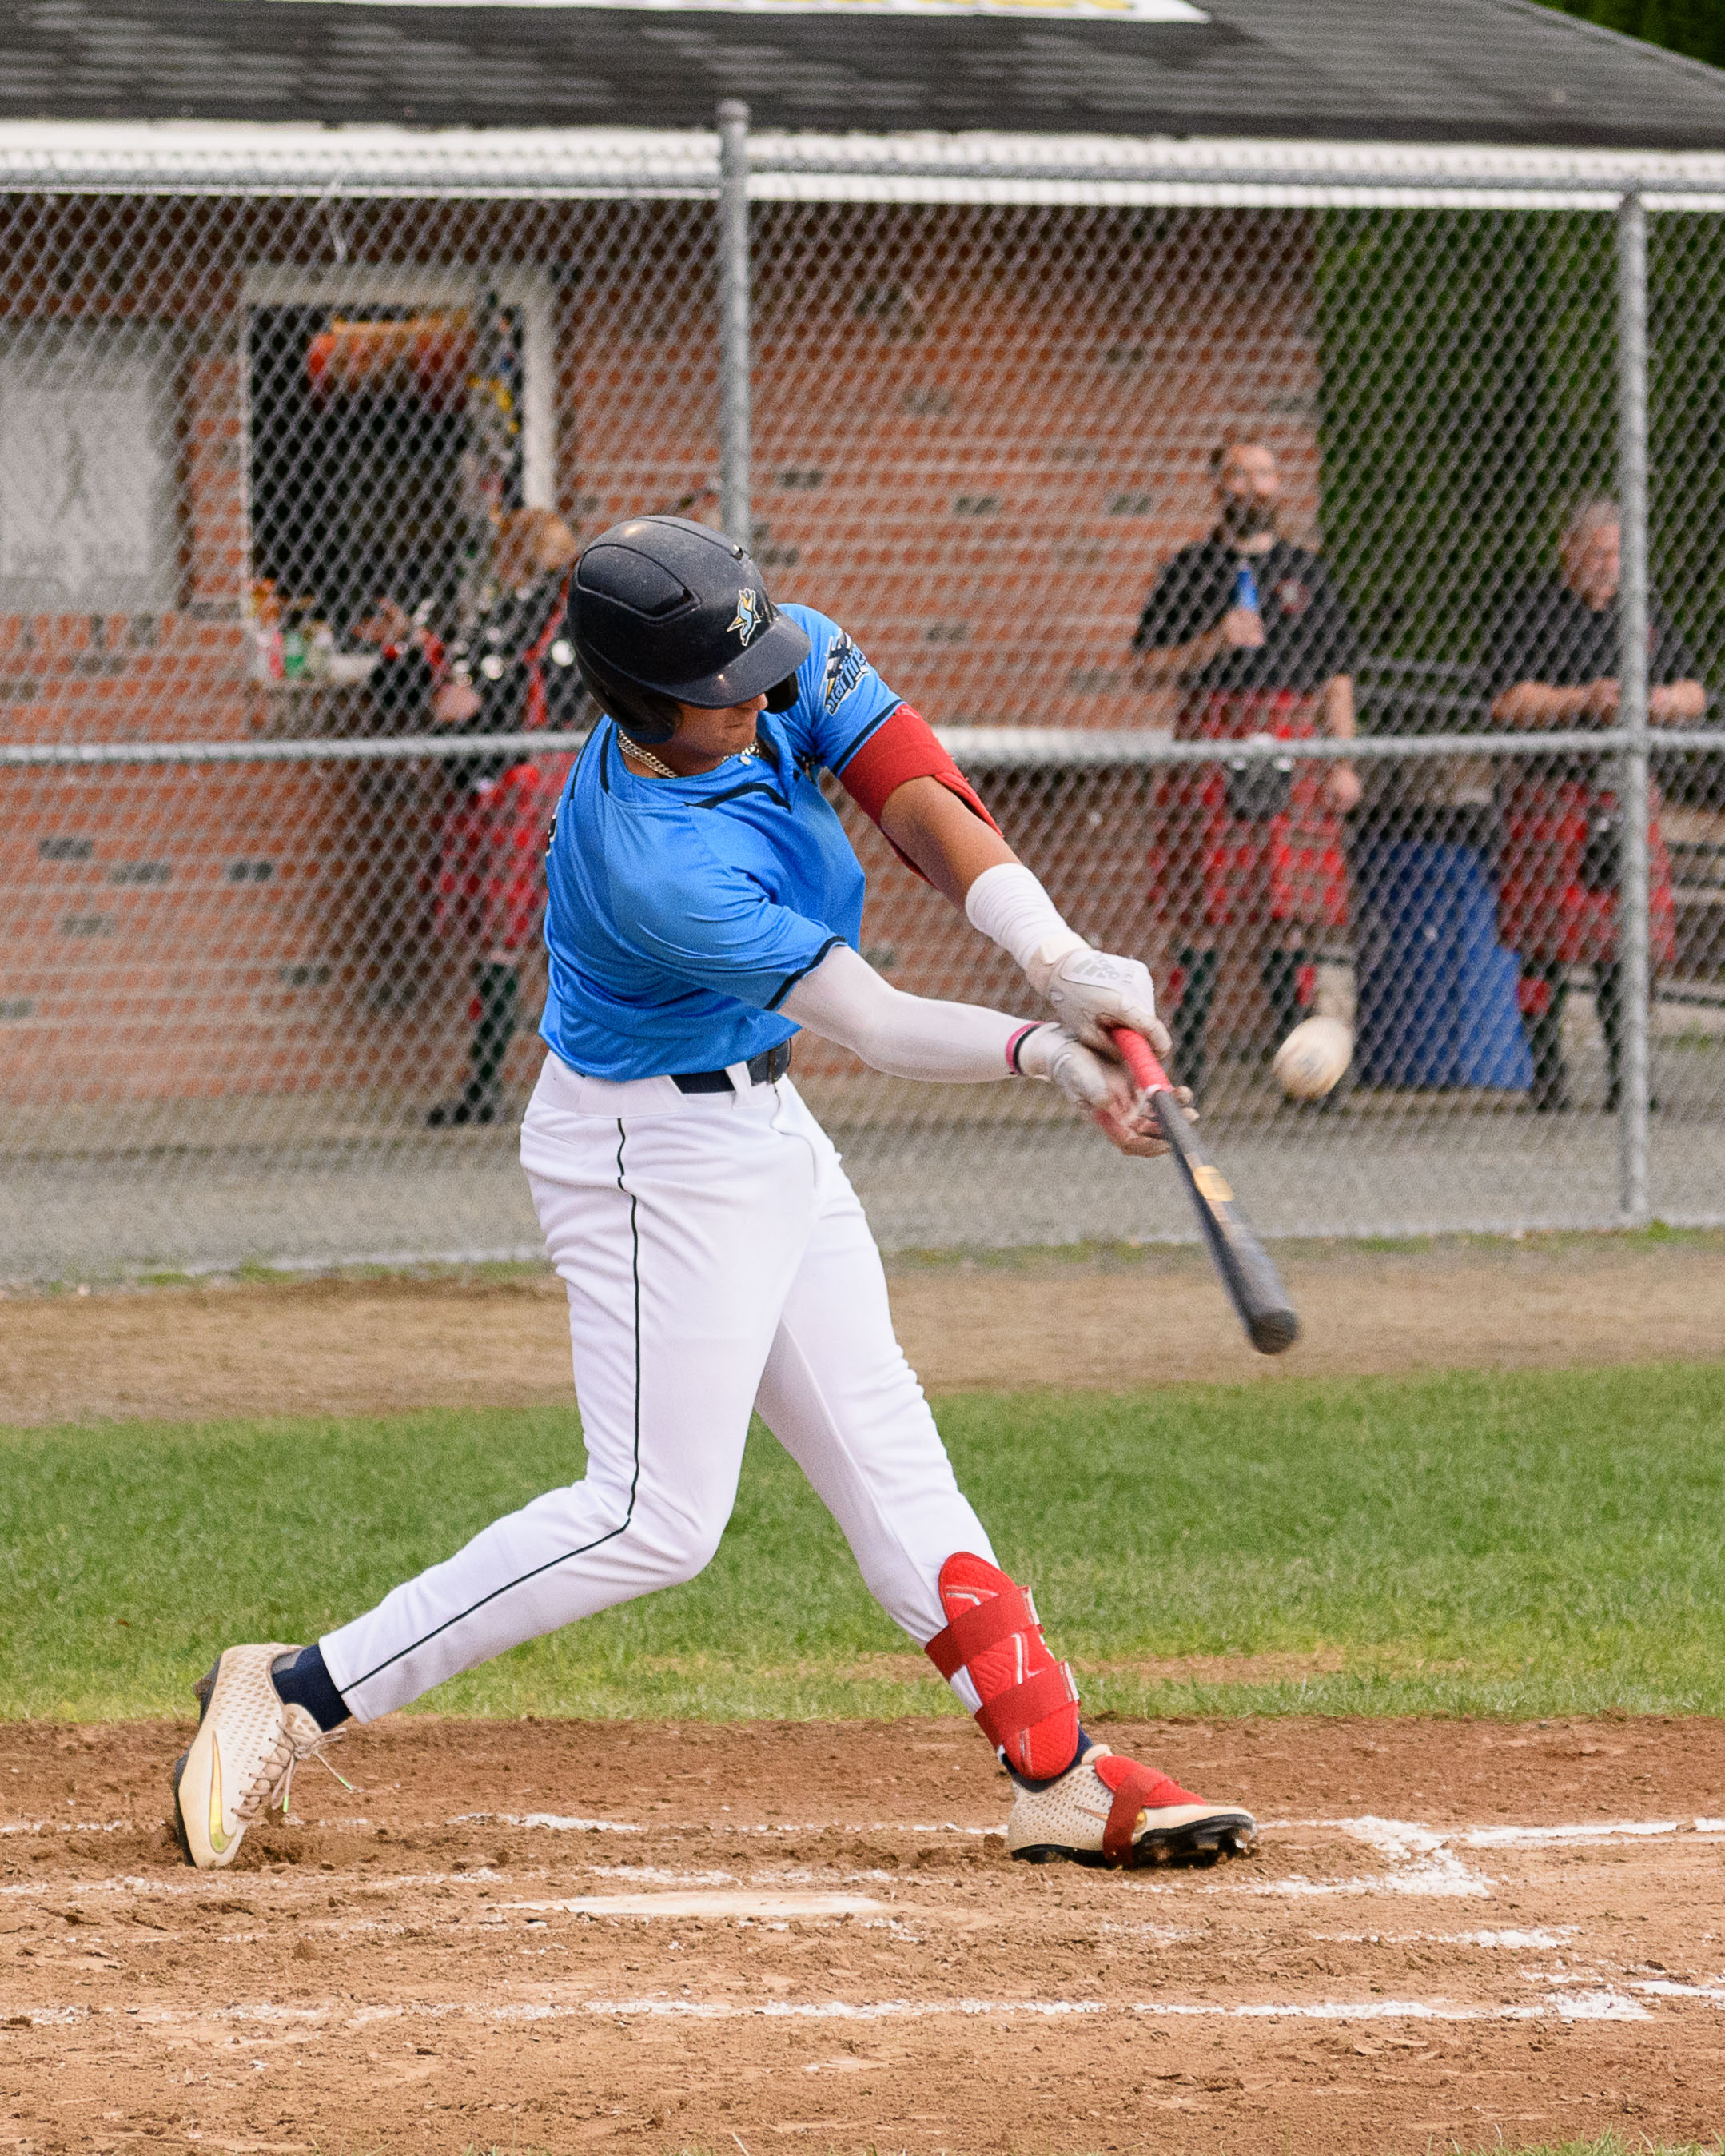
<point x="902" y="747"/>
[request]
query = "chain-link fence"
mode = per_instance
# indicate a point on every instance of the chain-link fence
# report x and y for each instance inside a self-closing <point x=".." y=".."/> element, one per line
<point x="1320" y="572"/>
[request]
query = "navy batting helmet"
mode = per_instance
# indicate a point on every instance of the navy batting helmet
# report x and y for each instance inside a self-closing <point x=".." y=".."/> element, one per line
<point x="665" y="612"/>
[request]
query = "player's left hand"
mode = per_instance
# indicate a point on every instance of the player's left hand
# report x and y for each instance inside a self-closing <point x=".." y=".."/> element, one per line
<point x="1093" y="991"/>
<point x="1102" y="1089"/>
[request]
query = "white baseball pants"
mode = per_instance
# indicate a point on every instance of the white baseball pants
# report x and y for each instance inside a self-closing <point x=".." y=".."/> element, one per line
<point x="716" y="1260"/>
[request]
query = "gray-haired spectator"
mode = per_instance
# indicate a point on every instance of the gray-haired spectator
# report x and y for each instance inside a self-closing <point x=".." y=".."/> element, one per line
<point x="1554" y="663"/>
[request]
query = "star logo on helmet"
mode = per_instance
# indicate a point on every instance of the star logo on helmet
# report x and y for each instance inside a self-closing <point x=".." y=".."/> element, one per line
<point x="748" y="615"/>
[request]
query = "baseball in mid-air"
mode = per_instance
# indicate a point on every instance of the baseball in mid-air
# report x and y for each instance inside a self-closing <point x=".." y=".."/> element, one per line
<point x="1311" y="1062"/>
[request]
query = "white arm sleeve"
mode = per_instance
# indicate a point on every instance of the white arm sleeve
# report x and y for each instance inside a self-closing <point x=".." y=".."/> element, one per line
<point x="1008" y="906"/>
<point x="845" y="1000"/>
<point x="1092" y="991"/>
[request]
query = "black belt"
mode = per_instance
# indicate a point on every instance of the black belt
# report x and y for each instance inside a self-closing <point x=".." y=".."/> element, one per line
<point x="763" y="1070"/>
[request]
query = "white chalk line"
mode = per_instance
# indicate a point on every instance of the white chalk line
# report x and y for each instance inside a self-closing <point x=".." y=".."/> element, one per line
<point x="840" y="2010"/>
<point x="1522" y="1941"/>
<point x="77" y="1826"/>
<point x="267" y="2013"/>
<point x="1594" y="2005"/>
<point x="1365" y="1828"/>
<point x="278" y="1894"/>
<point x="1481" y="1837"/>
<point x="1533" y="1837"/>
<point x="231" y="1886"/>
<point x="1425" y="1864"/>
<point x="1425" y="1860"/>
<point x="1665" y="1986"/>
<point x="1402" y="1841"/>
<point x="661" y="1875"/>
<point x="1598" y="2003"/>
<point x="558" y="1825"/>
<point x="735" y="1902"/>
<point x="554" y="1822"/>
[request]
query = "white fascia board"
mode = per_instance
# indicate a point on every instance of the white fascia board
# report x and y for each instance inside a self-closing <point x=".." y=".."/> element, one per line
<point x="1218" y="172"/>
<point x="221" y="156"/>
<point x="247" y="157"/>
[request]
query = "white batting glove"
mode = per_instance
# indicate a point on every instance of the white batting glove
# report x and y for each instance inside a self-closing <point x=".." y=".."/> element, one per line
<point x="1102" y="1089"/>
<point x="1093" y="990"/>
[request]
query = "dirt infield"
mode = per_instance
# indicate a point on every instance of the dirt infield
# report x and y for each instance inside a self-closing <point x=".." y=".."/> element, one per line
<point x="358" y="1346"/>
<point x="531" y="1936"/>
<point x="651" y="1938"/>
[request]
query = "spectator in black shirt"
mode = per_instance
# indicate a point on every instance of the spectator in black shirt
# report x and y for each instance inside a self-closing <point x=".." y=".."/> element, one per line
<point x="1251" y="628"/>
<point x="1554" y="663"/>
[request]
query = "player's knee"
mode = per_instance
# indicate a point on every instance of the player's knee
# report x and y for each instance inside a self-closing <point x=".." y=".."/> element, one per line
<point x="679" y="1546"/>
<point x="688" y="1560"/>
<point x="688" y="1556"/>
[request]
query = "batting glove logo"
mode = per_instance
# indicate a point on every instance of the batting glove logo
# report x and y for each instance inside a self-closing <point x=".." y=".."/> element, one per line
<point x="748" y="617"/>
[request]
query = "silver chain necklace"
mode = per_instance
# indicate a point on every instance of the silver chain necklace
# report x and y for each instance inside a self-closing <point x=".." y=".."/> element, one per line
<point x="633" y="748"/>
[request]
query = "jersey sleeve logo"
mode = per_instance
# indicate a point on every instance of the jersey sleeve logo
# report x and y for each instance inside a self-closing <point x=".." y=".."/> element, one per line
<point x="844" y="670"/>
<point x="749" y="616"/>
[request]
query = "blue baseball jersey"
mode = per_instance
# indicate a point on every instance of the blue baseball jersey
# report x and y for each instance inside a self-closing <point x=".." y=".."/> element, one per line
<point x="683" y="911"/>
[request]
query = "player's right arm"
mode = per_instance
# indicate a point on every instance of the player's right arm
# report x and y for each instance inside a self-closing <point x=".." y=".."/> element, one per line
<point x="1091" y="992"/>
<point x="707" y="923"/>
<point x="891" y="763"/>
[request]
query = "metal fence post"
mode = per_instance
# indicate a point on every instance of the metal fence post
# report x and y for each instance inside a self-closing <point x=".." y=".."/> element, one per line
<point x="1634" y="970"/>
<point x="734" y="319"/>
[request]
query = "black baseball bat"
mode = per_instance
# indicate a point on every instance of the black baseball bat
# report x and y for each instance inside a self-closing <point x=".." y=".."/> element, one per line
<point x="1254" y="1284"/>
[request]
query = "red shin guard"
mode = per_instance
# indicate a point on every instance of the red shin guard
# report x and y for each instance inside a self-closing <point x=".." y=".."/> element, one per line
<point x="1029" y="1702"/>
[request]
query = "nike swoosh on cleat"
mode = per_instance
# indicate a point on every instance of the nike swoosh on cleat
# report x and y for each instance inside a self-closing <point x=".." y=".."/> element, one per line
<point x="217" y="1839"/>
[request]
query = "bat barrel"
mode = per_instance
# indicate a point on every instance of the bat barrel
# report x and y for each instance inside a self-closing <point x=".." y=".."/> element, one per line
<point x="1242" y="1263"/>
<point x="1272" y="1330"/>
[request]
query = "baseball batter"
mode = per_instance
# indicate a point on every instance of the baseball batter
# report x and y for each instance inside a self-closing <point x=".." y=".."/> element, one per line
<point x="704" y="905"/>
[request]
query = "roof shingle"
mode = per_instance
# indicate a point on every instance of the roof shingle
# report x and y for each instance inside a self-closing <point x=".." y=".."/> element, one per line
<point x="1398" y="70"/>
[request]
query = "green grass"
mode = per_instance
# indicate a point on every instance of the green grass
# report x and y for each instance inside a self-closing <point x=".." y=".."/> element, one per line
<point x="1089" y="1256"/>
<point x="1609" y="2144"/>
<point x="1527" y="1544"/>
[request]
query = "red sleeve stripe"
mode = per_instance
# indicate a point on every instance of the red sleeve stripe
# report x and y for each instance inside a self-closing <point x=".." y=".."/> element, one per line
<point x="903" y="747"/>
<point x="1017" y="1042"/>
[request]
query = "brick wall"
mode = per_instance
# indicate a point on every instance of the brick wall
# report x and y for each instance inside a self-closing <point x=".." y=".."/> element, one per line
<point x="978" y="435"/>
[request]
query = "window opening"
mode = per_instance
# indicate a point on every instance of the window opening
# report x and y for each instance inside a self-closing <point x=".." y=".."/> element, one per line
<point x="386" y="442"/>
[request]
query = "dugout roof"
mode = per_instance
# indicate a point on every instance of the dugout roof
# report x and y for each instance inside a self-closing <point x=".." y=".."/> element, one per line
<point x="1408" y="71"/>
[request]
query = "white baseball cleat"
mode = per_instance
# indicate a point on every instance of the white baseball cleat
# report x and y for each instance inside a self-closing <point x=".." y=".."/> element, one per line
<point x="242" y="1760"/>
<point x="1107" y="1810"/>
